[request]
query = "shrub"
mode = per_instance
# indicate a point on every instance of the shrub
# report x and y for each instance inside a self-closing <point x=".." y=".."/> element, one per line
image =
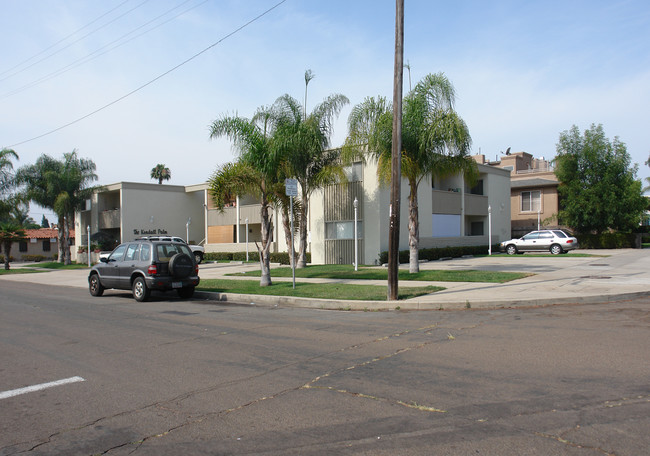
<point x="2" y="258"/>
<point x="607" y="240"/>
<point x="274" y="257"/>
<point x="440" y="252"/>
<point x="35" y="258"/>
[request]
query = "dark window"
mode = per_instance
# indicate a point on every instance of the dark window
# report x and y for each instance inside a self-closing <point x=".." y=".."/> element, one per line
<point x="476" y="229"/>
<point x="145" y="252"/>
<point x="477" y="189"/>
<point x="46" y="245"/>
<point x="22" y="246"/>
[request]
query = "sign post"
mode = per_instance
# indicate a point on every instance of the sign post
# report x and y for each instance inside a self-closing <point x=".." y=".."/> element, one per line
<point x="291" y="190"/>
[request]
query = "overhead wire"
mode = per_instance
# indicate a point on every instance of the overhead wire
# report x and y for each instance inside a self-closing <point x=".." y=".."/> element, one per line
<point x="74" y="42"/>
<point x="238" y="29"/>
<point x="96" y="53"/>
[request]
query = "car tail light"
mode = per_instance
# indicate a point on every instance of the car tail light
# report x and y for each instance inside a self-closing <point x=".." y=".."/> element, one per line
<point x="569" y="241"/>
<point x="152" y="269"/>
<point x="196" y="269"/>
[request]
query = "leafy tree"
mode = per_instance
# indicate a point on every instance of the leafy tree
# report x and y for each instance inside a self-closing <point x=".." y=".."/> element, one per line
<point x="161" y="172"/>
<point x="303" y="141"/>
<point x="10" y="230"/>
<point x="254" y="173"/>
<point x="20" y="215"/>
<point x="435" y="142"/>
<point x="62" y="186"/>
<point x="598" y="186"/>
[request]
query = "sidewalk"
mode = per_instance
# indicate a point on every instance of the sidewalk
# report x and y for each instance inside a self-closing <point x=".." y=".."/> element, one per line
<point x="606" y="276"/>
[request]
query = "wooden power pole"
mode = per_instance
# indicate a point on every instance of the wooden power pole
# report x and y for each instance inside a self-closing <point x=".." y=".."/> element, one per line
<point x="396" y="155"/>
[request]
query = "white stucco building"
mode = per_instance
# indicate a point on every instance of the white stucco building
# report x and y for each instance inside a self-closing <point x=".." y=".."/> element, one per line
<point x="450" y="214"/>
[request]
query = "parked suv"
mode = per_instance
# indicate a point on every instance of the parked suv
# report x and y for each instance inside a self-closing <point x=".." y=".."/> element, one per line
<point x="555" y="241"/>
<point x="197" y="250"/>
<point x="144" y="265"/>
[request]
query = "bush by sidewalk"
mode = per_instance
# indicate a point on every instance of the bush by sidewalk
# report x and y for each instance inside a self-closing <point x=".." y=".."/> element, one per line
<point x="441" y="252"/>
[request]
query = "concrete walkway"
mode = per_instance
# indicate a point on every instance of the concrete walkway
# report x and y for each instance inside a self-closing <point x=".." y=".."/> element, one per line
<point x="605" y="276"/>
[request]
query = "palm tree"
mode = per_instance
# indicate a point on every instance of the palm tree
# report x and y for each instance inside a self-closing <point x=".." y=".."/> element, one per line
<point x="6" y="176"/>
<point x="62" y="186"/>
<point x="254" y="173"/>
<point x="303" y="141"/>
<point x="161" y="172"/>
<point x="435" y="142"/>
<point x="10" y="230"/>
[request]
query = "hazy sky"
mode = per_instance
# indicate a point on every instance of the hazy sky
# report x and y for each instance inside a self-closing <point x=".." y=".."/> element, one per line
<point x="524" y="71"/>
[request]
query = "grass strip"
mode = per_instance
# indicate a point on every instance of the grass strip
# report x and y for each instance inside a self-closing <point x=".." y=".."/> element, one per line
<point x="4" y="271"/>
<point x="312" y="290"/>
<point x="344" y="271"/>
<point x="57" y="265"/>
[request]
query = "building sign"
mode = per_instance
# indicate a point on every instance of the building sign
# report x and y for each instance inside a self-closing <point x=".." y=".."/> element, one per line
<point x="149" y="232"/>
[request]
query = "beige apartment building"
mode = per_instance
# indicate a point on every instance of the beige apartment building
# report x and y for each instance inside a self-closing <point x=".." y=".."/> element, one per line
<point x="451" y="214"/>
<point x="534" y="199"/>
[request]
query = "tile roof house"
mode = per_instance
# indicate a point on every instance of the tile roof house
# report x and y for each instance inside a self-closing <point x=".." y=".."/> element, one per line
<point x="39" y="243"/>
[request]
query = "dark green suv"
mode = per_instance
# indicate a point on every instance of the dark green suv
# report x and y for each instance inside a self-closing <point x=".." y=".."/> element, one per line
<point x="144" y="265"/>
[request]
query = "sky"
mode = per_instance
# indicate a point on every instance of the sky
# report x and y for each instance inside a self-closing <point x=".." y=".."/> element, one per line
<point x="120" y="81"/>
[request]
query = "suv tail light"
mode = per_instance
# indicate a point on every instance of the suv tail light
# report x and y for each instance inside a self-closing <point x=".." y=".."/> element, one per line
<point x="152" y="269"/>
<point x="196" y="269"/>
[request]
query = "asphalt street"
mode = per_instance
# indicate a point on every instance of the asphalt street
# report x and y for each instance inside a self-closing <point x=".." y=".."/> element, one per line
<point x="171" y="377"/>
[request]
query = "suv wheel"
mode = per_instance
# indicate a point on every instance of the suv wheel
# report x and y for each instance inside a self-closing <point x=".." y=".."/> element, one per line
<point x="511" y="249"/>
<point x="140" y="290"/>
<point x="95" y="286"/>
<point x="181" y="265"/>
<point x="186" y="292"/>
<point x="556" y="249"/>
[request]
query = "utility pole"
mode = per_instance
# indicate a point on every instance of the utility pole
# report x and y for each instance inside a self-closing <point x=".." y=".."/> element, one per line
<point x="396" y="155"/>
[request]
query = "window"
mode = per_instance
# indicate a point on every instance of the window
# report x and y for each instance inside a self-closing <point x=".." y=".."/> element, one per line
<point x="132" y="252"/>
<point x="22" y="246"/>
<point x="476" y="229"/>
<point x="354" y="172"/>
<point x="118" y="253"/>
<point x="531" y="201"/>
<point x="343" y="230"/>
<point x="446" y="225"/>
<point x="145" y="252"/>
<point x="46" y="245"/>
<point x="477" y="189"/>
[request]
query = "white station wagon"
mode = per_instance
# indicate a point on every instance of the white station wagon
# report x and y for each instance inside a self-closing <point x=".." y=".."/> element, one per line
<point x="555" y="241"/>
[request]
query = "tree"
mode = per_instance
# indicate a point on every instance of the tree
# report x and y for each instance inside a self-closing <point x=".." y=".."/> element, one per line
<point x="10" y="230"/>
<point x="303" y="141"/>
<point x="598" y="186"/>
<point x="161" y="172"/>
<point x="62" y="186"/>
<point x="45" y="223"/>
<point x="254" y="173"/>
<point x="435" y="142"/>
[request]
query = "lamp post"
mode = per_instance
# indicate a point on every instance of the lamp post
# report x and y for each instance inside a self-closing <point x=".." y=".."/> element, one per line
<point x="489" y="230"/>
<point x="356" y="243"/>
<point x="246" y="240"/>
<point x="187" y="230"/>
<point x="88" y="229"/>
<point x="538" y="223"/>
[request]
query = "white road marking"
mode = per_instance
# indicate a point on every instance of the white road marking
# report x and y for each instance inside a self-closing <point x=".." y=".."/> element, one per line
<point x="42" y="386"/>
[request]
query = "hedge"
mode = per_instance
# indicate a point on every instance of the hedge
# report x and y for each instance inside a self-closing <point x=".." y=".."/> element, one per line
<point x="608" y="240"/>
<point x="35" y="258"/>
<point x="275" y="257"/>
<point x="441" y="252"/>
<point x="2" y="258"/>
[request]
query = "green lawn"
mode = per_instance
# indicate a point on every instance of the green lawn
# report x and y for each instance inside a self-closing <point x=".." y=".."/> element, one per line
<point x="312" y="290"/>
<point x="344" y="271"/>
<point x="15" y="270"/>
<point x="56" y="265"/>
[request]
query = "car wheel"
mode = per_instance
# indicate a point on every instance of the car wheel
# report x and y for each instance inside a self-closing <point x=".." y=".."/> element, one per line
<point x="95" y="286"/>
<point x="511" y="250"/>
<point x="181" y="265"/>
<point x="556" y="249"/>
<point x="186" y="292"/>
<point x="140" y="290"/>
<point x="198" y="257"/>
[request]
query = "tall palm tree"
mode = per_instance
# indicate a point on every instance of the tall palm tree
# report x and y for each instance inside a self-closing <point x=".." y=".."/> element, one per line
<point x="62" y="186"/>
<point x="10" y="230"/>
<point x="435" y="142"/>
<point x="254" y="173"/>
<point x="304" y="141"/>
<point x="6" y="168"/>
<point x="161" y="172"/>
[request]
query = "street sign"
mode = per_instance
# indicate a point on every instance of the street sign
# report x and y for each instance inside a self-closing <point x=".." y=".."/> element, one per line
<point x="291" y="187"/>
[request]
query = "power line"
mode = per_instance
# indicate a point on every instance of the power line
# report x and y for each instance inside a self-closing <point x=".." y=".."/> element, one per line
<point x="106" y="49"/>
<point x="74" y="42"/>
<point x="256" y="18"/>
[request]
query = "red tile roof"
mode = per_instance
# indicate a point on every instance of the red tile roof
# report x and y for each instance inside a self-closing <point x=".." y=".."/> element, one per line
<point x="44" y="233"/>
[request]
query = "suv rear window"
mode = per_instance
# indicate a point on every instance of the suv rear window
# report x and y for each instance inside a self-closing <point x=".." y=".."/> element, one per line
<point x="166" y="251"/>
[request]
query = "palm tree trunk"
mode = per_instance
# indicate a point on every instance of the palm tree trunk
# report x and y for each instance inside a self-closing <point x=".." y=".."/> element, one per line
<point x="414" y="230"/>
<point x="59" y="238"/>
<point x="302" y="243"/>
<point x="265" y="264"/>
<point x="7" y="249"/>
<point x="286" y="224"/>
<point x="66" y="242"/>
